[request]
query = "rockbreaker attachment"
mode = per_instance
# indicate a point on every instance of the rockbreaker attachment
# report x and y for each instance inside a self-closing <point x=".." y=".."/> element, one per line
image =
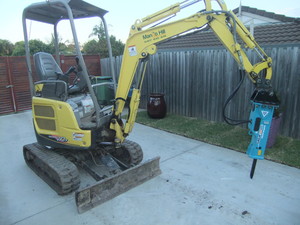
<point x="116" y="170"/>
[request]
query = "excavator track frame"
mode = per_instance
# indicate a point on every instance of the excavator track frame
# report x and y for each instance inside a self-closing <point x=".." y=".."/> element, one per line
<point x="58" y="172"/>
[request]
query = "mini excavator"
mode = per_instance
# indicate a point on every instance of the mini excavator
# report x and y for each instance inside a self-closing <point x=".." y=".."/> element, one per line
<point x="76" y="130"/>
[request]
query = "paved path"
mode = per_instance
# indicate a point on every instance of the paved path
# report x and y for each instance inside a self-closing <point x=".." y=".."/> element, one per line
<point x="200" y="184"/>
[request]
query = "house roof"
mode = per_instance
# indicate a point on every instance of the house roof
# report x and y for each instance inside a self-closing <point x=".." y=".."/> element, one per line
<point x="285" y="32"/>
<point x="264" y="13"/>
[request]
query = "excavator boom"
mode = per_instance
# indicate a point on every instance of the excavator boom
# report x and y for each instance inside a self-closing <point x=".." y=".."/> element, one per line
<point x="147" y="32"/>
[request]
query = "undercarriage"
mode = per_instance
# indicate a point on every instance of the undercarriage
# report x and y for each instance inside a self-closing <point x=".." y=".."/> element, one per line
<point x="116" y="168"/>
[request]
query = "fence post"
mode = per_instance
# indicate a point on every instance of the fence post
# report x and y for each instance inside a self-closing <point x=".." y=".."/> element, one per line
<point x="11" y="83"/>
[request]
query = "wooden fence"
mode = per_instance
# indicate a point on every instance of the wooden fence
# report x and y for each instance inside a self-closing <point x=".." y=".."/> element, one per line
<point x="197" y="82"/>
<point x="14" y="85"/>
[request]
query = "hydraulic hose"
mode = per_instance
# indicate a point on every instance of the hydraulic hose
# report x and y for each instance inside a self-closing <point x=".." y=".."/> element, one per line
<point x="226" y="118"/>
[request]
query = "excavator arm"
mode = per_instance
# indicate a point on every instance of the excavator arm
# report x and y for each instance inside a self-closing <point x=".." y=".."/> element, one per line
<point x="147" y="32"/>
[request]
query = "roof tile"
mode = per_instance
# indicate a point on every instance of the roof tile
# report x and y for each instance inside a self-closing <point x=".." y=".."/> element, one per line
<point x="273" y="33"/>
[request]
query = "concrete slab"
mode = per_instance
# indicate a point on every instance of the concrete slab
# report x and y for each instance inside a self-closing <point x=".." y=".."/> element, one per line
<point x="200" y="184"/>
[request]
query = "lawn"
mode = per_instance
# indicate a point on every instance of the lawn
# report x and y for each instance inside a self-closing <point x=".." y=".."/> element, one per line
<point x="286" y="150"/>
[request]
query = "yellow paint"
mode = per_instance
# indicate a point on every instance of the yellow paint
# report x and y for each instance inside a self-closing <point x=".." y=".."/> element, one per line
<point x="65" y="122"/>
<point x="259" y="152"/>
<point x="38" y="87"/>
<point x="134" y="105"/>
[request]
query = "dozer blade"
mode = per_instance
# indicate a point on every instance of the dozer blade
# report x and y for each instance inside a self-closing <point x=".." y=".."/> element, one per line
<point x="111" y="187"/>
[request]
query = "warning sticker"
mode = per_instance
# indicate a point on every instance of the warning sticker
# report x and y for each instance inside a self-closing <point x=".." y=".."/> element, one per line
<point x="78" y="136"/>
<point x="132" y="50"/>
<point x="58" y="138"/>
<point x="87" y="105"/>
<point x="261" y="132"/>
<point x="264" y="113"/>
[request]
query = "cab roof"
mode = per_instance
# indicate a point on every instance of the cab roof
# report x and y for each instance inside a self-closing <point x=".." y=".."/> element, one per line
<point x="53" y="11"/>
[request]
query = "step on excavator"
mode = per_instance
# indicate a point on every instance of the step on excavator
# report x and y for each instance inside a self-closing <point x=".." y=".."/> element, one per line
<point x="79" y="126"/>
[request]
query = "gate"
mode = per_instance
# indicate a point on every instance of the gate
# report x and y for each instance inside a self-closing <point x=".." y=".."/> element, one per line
<point x="14" y="89"/>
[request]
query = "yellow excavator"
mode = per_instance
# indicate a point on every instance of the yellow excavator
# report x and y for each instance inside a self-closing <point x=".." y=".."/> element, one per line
<point x="77" y="131"/>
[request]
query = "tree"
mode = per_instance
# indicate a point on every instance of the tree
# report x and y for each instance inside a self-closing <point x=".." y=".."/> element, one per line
<point x="19" y="49"/>
<point x="65" y="48"/>
<point x="6" y="47"/>
<point x="99" y="31"/>
<point x="34" y="45"/>
<point x="38" y="46"/>
<point x="100" y="46"/>
<point x="68" y="49"/>
<point x="92" y="47"/>
<point x="117" y="46"/>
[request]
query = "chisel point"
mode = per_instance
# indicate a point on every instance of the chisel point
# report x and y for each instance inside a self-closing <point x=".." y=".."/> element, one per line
<point x="253" y="168"/>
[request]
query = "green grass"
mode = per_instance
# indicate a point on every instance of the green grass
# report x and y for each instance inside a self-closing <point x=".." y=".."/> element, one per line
<point x="286" y="150"/>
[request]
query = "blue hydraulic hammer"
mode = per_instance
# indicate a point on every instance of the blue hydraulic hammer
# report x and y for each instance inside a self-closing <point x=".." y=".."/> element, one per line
<point x="263" y="106"/>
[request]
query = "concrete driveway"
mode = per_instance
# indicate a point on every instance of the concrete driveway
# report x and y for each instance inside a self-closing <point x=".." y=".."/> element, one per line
<point x="200" y="184"/>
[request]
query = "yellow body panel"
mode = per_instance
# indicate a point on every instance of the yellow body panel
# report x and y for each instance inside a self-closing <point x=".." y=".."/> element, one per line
<point x="134" y="104"/>
<point x="56" y="121"/>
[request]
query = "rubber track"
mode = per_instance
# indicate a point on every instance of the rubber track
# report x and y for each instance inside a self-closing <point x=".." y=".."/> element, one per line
<point x="58" y="172"/>
<point x="135" y="151"/>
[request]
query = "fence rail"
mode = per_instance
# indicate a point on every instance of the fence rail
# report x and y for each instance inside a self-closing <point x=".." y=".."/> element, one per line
<point x="196" y="83"/>
<point x="14" y="84"/>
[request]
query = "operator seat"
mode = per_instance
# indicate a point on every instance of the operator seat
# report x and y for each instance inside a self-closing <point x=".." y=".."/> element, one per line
<point x="47" y="70"/>
<point x="46" y="67"/>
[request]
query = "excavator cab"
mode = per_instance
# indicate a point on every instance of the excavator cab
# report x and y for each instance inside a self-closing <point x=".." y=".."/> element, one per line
<point x="72" y="120"/>
<point x="56" y="91"/>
